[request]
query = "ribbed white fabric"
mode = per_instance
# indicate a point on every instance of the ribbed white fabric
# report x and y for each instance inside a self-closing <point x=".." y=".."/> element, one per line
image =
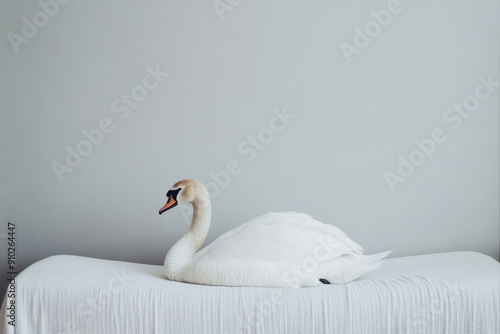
<point x="452" y="293"/>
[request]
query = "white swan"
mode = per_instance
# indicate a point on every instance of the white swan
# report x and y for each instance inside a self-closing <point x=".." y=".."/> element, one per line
<point x="278" y="249"/>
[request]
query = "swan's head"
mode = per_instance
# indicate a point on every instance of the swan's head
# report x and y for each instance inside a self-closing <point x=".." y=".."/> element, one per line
<point x="185" y="191"/>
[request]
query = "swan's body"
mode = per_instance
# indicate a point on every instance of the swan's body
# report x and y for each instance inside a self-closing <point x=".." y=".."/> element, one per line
<point x="278" y="249"/>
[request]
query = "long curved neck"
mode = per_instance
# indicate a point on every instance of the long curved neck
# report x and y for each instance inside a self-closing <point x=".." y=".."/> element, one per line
<point x="184" y="250"/>
<point x="200" y="224"/>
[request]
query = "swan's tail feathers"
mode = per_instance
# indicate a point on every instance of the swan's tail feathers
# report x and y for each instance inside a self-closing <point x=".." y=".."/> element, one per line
<point x="347" y="269"/>
<point x="372" y="262"/>
<point x="367" y="263"/>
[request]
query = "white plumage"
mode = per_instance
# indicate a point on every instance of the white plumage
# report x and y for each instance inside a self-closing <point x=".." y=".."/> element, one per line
<point x="278" y="249"/>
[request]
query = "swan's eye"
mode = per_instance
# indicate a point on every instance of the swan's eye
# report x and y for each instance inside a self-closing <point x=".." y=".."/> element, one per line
<point x="174" y="193"/>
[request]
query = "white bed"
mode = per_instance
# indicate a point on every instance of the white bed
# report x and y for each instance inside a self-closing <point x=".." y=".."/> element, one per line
<point x="452" y="293"/>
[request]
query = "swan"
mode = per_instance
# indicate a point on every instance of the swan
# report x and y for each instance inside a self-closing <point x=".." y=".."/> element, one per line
<point x="278" y="249"/>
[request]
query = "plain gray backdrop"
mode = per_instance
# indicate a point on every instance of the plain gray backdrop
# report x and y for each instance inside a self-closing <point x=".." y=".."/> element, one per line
<point x="229" y="73"/>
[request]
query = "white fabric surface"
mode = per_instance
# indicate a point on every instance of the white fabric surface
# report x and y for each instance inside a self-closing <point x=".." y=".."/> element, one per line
<point x="452" y="293"/>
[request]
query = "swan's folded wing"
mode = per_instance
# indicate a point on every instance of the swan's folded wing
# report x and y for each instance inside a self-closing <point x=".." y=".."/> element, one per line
<point x="282" y="237"/>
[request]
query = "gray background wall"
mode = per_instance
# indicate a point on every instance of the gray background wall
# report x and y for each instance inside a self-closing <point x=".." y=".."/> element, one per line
<point x="227" y="73"/>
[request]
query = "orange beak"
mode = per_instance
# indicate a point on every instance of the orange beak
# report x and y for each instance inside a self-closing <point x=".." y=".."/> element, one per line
<point x="169" y="205"/>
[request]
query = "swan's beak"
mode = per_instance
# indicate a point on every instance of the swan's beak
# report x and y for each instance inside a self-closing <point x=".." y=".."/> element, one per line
<point x="170" y="204"/>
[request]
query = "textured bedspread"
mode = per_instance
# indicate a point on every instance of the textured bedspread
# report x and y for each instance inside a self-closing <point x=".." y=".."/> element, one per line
<point x="452" y="293"/>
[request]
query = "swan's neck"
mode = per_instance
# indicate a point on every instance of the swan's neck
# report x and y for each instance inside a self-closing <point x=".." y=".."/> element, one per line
<point x="200" y="224"/>
<point x="184" y="250"/>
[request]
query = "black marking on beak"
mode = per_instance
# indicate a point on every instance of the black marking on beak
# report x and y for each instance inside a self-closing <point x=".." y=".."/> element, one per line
<point x="174" y="193"/>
